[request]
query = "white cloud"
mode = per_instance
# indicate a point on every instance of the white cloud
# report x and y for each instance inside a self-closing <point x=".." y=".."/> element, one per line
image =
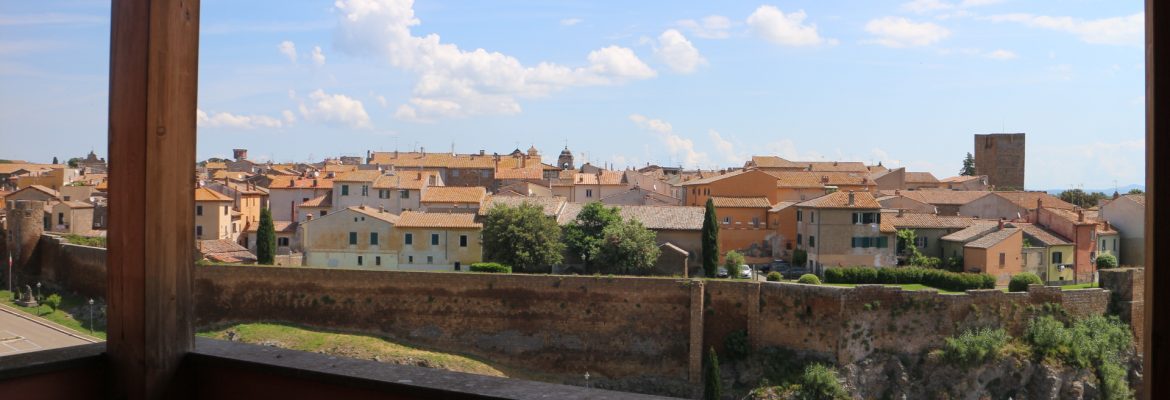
<point x="927" y="6"/>
<point x="773" y="25"/>
<point x="883" y="157"/>
<point x="726" y="149"/>
<point x="453" y="82"/>
<point x="1100" y="163"/>
<point x="901" y="32"/>
<point x="229" y="120"/>
<point x="680" y="148"/>
<point x="317" y="56"/>
<point x="1128" y="30"/>
<point x="289" y="49"/>
<point x="677" y="52"/>
<point x="1001" y="54"/>
<point x="382" y="101"/>
<point x="710" y="27"/>
<point x="289" y="117"/>
<point x="336" y="109"/>
<point x="571" y="21"/>
<point x="946" y="9"/>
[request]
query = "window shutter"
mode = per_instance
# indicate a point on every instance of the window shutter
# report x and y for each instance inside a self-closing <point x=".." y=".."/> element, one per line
<point x="856" y="218"/>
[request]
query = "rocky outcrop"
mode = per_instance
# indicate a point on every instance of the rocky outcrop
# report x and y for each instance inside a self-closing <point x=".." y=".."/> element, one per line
<point x="1015" y="377"/>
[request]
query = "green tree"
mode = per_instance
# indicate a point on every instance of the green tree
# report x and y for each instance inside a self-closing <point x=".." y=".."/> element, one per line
<point x="1106" y="261"/>
<point x="820" y="382"/>
<point x="799" y="257"/>
<point x="266" y="239"/>
<point x="1080" y="198"/>
<point x="712" y="384"/>
<point x="584" y="236"/>
<point x="73" y="162"/>
<point x="54" y="160"/>
<point x="53" y="301"/>
<point x="732" y="261"/>
<point x="710" y="240"/>
<point x="1136" y="191"/>
<point x="522" y="237"/>
<point x="968" y="166"/>
<point x="628" y="248"/>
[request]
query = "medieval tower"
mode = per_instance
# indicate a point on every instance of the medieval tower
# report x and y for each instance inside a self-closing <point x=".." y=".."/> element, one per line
<point x="1000" y="156"/>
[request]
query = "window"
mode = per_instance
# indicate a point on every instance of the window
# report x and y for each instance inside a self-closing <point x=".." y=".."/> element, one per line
<point x="282" y="242"/>
<point x="812" y="219"/>
<point x="365" y="190"/>
<point x="430" y="259"/>
<point x="199" y="210"/>
<point x="377" y="260"/>
<point x="345" y="190"/>
<point x="812" y="241"/>
<point x="383" y="193"/>
<point x="373" y="238"/>
<point x="756" y="222"/>
<point x="404" y="194"/>
<point x="434" y="239"/>
<point x="883" y="242"/>
<point x="462" y="240"/>
<point x="353" y="238"/>
<point x="1057" y="257"/>
<point x="920" y="242"/>
<point x="60" y="218"/>
<point x="798" y="240"/>
<point x="359" y="260"/>
<point x="588" y="192"/>
<point x="322" y="213"/>
<point x="304" y="199"/>
<point x="225" y="210"/>
<point x="410" y="259"/>
<point x="408" y="239"/>
<point x="867" y="218"/>
<point x="199" y="230"/>
<point x="727" y="220"/>
<point x="454" y="172"/>
<point x="1002" y="259"/>
<point x="799" y="215"/>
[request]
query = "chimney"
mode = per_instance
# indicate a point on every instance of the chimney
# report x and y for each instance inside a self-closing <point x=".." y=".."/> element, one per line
<point x="897" y="192"/>
<point x="314" y="183"/>
<point x="1107" y="227"/>
<point x="381" y="209"/>
<point x="363" y="207"/>
<point x="1001" y="224"/>
<point x="1080" y="215"/>
<point x="481" y="152"/>
<point x="292" y="212"/>
<point x="824" y="179"/>
<point x="900" y="210"/>
<point x="308" y="216"/>
<point x="851" y="198"/>
<point x="1039" y="203"/>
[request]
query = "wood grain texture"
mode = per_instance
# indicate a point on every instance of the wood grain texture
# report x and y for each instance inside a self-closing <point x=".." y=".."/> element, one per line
<point x="153" y="91"/>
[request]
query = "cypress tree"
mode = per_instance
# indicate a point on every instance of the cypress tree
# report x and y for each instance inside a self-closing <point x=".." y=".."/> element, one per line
<point x="712" y="386"/>
<point x="710" y="241"/>
<point x="265" y="239"/>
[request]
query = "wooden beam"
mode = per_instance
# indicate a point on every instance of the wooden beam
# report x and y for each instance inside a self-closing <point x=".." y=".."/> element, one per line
<point x="154" y="47"/>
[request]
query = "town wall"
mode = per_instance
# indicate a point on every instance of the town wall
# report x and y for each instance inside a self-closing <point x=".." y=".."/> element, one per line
<point x="75" y="268"/>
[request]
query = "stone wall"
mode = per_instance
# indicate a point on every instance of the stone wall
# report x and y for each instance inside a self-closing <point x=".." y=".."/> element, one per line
<point x="1128" y="286"/>
<point x="75" y="268"/>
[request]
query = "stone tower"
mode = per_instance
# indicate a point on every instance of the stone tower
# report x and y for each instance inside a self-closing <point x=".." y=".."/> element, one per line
<point x="240" y="154"/>
<point x="1000" y="156"/>
<point x="26" y="222"/>
<point x="565" y="161"/>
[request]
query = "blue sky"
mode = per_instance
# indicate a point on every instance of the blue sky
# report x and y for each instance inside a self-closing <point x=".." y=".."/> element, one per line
<point x="696" y="83"/>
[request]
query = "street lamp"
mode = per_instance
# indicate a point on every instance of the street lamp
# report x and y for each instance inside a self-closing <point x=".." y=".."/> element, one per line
<point x="39" y="298"/>
<point x="90" y="316"/>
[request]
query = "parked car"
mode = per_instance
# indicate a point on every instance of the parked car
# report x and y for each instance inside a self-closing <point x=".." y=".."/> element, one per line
<point x="745" y="272"/>
<point x="793" y="272"/>
<point x="721" y="272"/>
<point x="764" y="268"/>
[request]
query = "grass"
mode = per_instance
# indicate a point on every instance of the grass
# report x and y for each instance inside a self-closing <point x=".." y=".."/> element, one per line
<point x="1089" y="285"/>
<point x="91" y="241"/>
<point x="907" y="286"/>
<point x="351" y="345"/>
<point x="61" y="316"/>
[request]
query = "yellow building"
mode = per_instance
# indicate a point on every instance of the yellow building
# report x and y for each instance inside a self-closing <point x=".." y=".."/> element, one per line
<point x="437" y="242"/>
<point x="844" y="229"/>
<point x="356" y="237"/>
<point x="213" y="216"/>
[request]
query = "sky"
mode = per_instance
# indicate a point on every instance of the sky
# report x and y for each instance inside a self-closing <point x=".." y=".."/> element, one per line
<point x="692" y="83"/>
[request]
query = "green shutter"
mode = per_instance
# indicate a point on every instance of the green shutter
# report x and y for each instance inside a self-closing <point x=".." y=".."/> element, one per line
<point x="882" y="242"/>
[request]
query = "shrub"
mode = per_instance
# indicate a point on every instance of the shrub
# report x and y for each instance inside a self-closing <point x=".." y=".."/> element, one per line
<point x="936" y="278"/>
<point x="821" y="382"/>
<point x="53" y="301"/>
<point x="799" y="257"/>
<point x="1049" y="338"/>
<point x="490" y="267"/>
<point x="732" y="261"/>
<point x="712" y="387"/>
<point x="736" y="345"/>
<point x="1020" y="282"/>
<point x="975" y="346"/>
<point x="809" y="279"/>
<point x="774" y="276"/>
<point x="1099" y="342"/>
<point x="1106" y="261"/>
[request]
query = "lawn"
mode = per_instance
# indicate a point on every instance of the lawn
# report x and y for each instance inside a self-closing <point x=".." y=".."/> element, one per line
<point x="1089" y="285"/>
<point x="350" y="345"/>
<point x="907" y="286"/>
<point x="62" y="316"/>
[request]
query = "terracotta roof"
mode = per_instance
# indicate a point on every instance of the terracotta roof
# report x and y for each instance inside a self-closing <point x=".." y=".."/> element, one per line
<point x="225" y="251"/>
<point x="798" y="179"/>
<point x="604" y="178"/>
<point x="652" y="217"/>
<point x="325" y="200"/>
<point x="977" y="229"/>
<point x="782" y="205"/>
<point x="926" y="221"/>
<point x="50" y="192"/>
<point x="339" y="168"/>
<point x="551" y="206"/>
<point x="102" y="187"/>
<point x="835" y="166"/>
<point x="1027" y="200"/>
<point x="943" y="197"/>
<point x="845" y="178"/>
<point x="1042" y="235"/>
<point x="961" y="178"/>
<point x="434" y="160"/>
<point x="712" y="178"/>
<point x="205" y="194"/>
<point x="376" y="213"/>
<point x="454" y="194"/>
<point x="741" y="202"/>
<point x="358" y="176"/>
<point x="77" y="204"/>
<point x="215" y="165"/>
<point x="520" y="173"/>
<point x="774" y="162"/>
<point x="841" y="200"/>
<point x="993" y="238"/>
<point x="239" y="176"/>
<point x="296" y="182"/>
<point x="920" y="177"/>
<point x="1137" y="198"/>
<point x="414" y="219"/>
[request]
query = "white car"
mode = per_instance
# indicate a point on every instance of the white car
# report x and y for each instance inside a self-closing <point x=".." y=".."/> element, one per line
<point x="745" y="272"/>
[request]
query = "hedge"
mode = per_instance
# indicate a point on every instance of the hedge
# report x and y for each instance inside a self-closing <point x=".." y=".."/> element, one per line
<point x="774" y="276"/>
<point x="809" y="279"/>
<point x="936" y="278"/>
<point x="490" y="267"/>
<point x="1020" y="282"/>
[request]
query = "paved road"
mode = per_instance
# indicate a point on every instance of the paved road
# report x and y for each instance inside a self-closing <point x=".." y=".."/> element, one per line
<point x="19" y="335"/>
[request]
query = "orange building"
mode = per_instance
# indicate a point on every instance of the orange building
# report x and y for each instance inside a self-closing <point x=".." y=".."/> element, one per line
<point x="743" y="226"/>
<point x="997" y="253"/>
<point x="750" y="183"/>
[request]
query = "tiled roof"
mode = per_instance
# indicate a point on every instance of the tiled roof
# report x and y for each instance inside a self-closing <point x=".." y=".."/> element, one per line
<point x="926" y="221"/>
<point x="50" y="192"/>
<point x="835" y="166"/>
<point x="435" y="160"/>
<point x="414" y="219"/>
<point x="993" y="238"/>
<point x="325" y="200"/>
<point x="551" y="206"/>
<point x="841" y="200"/>
<point x="652" y="217"/>
<point x="206" y="194"/>
<point x="1027" y="200"/>
<point x="520" y="173"/>
<point x="103" y="186"/>
<point x="77" y="204"/>
<point x="845" y="178"/>
<point x="376" y="213"/>
<point x="454" y="194"/>
<point x="960" y="178"/>
<point x="215" y="165"/>
<point x="339" y="168"/>
<point x="741" y="202"/>
<point x="943" y="197"/>
<point x="222" y="174"/>
<point x="920" y="177"/>
<point x="1137" y="198"/>
<point x="1042" y="235"/>
<point x="358" y="176"/>
<point x="798" y="179"/>
<point x="606" y="177"/>
<point x="277" y="226"/>
<point x="407" y="180"/>
<point x="782" y="205"/>
<point x="296" y="182"/>
<point x="712" y="178"/>
<point x="977" y="229"/>
<point x="225" y="251"/>
<point x="774" y="162"/>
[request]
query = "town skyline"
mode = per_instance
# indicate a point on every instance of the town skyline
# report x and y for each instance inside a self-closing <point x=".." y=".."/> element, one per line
<point x="696" y="85"/>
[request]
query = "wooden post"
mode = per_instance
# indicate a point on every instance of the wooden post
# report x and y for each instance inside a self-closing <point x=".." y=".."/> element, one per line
<point x="154" y="46"/>
<point x="1156" y="364"/>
